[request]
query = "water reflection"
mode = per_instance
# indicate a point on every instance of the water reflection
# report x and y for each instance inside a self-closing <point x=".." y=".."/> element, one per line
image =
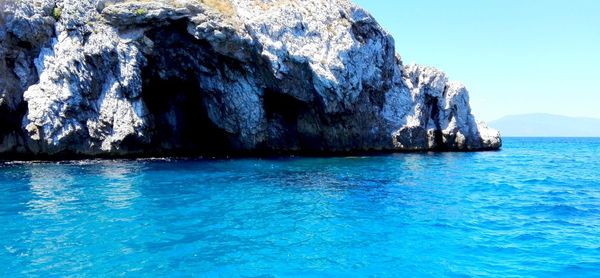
<point x="55" y="202"/>
<point x="52" y="190"/>
<point x="56" y="188"/>
<point x="119" y="190"/>
<point x="72" y="213"/>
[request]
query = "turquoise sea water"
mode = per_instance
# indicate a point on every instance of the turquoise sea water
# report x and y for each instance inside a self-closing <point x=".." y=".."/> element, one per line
<point x="532" y="209"/>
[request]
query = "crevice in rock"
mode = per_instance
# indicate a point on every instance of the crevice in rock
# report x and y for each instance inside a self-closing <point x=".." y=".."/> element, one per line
<point x="364" y="30"/>
<point x="25" y="45"/>
<point x="434" y="111"/>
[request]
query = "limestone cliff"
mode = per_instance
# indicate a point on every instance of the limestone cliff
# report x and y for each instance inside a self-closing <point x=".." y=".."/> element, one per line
<point x="89" y="77"/>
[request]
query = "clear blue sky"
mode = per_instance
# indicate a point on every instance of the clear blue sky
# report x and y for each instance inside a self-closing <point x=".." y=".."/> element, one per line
<point x="515" y="57"/>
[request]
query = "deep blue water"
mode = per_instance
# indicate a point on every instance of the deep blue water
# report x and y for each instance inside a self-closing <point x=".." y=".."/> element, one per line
<point x="532" y="209"/>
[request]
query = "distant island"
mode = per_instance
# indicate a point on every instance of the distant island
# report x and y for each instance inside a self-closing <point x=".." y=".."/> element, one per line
<point x="547" y="125"/>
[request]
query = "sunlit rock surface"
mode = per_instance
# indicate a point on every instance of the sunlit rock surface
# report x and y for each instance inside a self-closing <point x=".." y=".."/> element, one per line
<point x="172" y="77"/>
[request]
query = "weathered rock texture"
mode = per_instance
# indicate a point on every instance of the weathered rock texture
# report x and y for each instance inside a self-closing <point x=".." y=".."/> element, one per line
<point x="89" y="77"/>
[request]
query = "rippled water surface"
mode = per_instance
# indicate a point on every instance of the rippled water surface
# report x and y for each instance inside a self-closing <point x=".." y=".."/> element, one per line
<point x="532" y="209"/>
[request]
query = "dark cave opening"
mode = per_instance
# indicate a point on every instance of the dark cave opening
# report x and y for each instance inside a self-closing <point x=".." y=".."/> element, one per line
<point x="177" y="91"/>
<point x="280" y="105"/>
<point x="172" y="92"/>
<point x="435" y="116"/>
<point x="180" y="119"/>
<point x="286" y="113"/>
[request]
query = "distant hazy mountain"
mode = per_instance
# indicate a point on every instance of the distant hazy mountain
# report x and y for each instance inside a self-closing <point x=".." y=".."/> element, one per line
<point x="545" y="125"/>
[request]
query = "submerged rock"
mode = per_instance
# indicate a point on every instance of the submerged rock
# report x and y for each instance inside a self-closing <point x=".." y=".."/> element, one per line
<point x="91" y="77"/>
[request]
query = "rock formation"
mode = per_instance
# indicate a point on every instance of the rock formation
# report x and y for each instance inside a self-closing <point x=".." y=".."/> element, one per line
<point x="147" y="77"/>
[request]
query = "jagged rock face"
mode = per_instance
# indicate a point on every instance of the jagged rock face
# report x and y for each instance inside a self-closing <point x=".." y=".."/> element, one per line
<point x="18" y="50"/>
<point x="204" y="76"/>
